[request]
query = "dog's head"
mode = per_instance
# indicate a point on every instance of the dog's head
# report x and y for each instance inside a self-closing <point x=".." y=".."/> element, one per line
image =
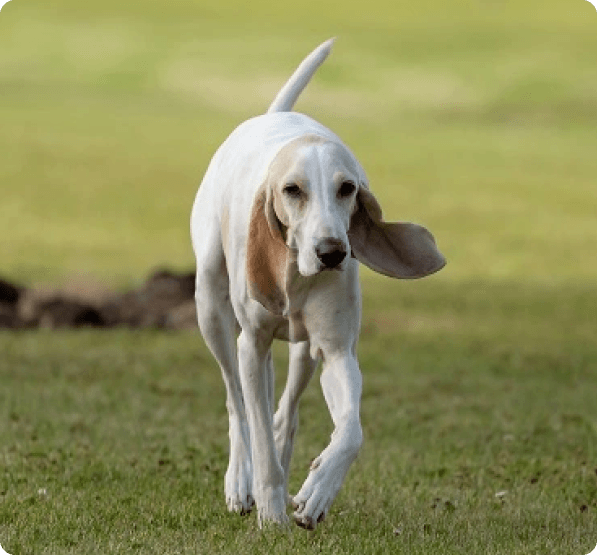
<point x="315" y="210"/>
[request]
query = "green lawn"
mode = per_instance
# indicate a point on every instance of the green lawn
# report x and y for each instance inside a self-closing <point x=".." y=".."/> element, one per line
<point x="475" y="119"/>
<point x="116" y="442"/>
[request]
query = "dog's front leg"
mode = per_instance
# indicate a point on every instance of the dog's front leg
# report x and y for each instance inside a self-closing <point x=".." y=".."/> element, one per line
<point x="268" y="476"/>
<point x="342" y="384"/>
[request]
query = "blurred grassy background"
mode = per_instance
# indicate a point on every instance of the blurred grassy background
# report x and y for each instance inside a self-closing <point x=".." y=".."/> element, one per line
<point x="475" y="118"/>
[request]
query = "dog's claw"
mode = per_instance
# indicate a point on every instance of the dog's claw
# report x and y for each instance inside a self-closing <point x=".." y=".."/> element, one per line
<point x="250" y="505"/>
<point x="305" y="522"/>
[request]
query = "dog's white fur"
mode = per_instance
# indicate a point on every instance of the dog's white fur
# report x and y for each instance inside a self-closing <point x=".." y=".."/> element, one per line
<point x="282" y="206"/>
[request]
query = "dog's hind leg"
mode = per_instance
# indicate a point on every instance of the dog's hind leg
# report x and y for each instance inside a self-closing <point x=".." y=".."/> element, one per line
<point x="218" y="326"/>
<point x="300" y="371"/>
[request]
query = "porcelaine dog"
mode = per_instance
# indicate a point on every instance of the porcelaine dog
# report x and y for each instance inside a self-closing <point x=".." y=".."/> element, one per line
<point x="280" y="223"/>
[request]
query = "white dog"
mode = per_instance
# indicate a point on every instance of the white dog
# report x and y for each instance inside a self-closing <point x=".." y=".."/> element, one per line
<point x="282" y="217"/>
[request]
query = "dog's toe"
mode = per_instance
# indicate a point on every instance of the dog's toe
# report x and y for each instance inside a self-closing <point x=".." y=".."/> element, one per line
<point x="242" y="507"/>
<point x="248" y="507"/>
<point x="305" y="522"/>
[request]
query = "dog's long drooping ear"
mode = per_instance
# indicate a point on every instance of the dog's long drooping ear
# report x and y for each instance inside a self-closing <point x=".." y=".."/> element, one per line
<point x="400" y="250"/>
<point x="267" y="254"/>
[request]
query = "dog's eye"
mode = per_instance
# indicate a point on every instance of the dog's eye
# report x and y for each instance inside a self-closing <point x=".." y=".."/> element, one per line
<point x="293" y="190"/>
<point x="346" y="189"/>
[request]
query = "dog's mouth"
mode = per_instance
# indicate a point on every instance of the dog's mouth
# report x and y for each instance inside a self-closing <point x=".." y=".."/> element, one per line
<point x="317" y="269"/>
<point x="338" y="268"/>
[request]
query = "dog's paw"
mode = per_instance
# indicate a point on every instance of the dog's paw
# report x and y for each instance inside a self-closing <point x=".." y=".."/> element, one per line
<point x="306" y="521"/>
<point x="312" y="503"/>
<point x="309" y="513"/>
<point x="238" y="482"/>
<point x="238" y="504"/>
<point x="271" y="507"/>
<point x="271" y="521"/>
<point x="238" y="486"/>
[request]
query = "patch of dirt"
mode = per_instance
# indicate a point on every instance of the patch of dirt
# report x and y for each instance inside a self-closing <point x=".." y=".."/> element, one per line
<point x="165" y="300"/>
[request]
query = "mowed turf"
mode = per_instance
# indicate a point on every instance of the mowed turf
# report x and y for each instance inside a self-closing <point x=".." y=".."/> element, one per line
<point x="479" y="408"/>
<point x="479" y="422"/>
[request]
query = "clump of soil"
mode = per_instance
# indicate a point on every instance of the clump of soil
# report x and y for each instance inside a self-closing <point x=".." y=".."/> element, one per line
<point x="164" y="300"/>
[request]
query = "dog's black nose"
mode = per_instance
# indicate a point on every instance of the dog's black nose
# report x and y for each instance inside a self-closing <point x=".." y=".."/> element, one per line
<point x="331" y="252"/>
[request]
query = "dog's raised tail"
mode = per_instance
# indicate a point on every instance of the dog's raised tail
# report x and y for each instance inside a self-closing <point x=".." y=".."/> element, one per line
<point x="290" y="92"/>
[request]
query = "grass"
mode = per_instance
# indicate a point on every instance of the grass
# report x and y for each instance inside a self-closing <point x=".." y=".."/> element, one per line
<point x="479" y="439"/>
<point x="475" y="119"/>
